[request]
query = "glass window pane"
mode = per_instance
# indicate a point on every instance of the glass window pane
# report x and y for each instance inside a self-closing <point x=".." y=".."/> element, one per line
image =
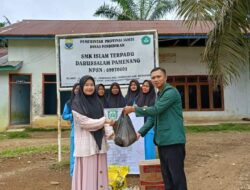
<point x="170" y="79"/>
<point x="180" y="79"/>
<point x="192" y="79"/>
<point x="204" y="96"/>
<point x="181" y="89"/>
<point x="50" y="78"/>
<point x="20" y="78"/>
<point x="203" y="78"/>
<point x="217" y="99"/>
<point x="192" y="92"/>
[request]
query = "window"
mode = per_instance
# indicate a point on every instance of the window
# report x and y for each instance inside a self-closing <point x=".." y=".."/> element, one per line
<point x="198" y="93"/>
<point x="50" y="96"/>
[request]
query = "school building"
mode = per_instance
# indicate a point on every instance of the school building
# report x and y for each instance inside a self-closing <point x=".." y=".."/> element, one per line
<point x="28" y="71"/>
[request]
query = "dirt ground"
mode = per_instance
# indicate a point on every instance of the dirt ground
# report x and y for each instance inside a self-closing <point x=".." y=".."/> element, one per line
<point x="214" y="161"/>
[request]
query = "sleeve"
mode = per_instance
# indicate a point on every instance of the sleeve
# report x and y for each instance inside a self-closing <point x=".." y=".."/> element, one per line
<point x="167" y="99"/>
<point x="67" y="114"/>
<point x="87" y="123"/>
<point x="147" y="126"/>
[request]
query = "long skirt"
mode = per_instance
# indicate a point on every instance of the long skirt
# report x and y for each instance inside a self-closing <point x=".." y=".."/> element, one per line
<point x="90" y="173"/>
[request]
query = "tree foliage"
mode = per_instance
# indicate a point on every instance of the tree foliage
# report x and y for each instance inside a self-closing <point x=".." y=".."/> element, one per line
<point x="3" y="43"/>
<point x="135" y="9"/>
<point x="227" y="48"/>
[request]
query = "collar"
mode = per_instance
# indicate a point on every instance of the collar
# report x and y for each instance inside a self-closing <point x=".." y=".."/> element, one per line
<point x="164" y="87"/>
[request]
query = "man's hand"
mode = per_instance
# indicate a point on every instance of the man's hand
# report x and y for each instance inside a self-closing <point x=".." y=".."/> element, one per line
<point x="128" y="109"/>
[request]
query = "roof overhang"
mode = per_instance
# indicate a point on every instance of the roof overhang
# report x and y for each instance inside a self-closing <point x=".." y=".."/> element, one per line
<point x="6" y="65"/>
<point x="161" y="36"/>
<point x="183" y="36"/>
<point x="27" y="37"/>
<point x="11" y="66"/>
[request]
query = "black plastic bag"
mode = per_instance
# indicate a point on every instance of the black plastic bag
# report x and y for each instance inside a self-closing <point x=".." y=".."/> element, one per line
<point x="125" y="134"/>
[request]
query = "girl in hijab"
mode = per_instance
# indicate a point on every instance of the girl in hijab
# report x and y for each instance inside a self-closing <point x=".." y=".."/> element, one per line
<point x="67" y="115"/>
<point x="147" y="97"/>
<point x="90" y="171"/>
<point x="116" y="99"/>
<point x="133" y="92"/>
<point x="100" y="88"/>
<point x="147" y="94"/>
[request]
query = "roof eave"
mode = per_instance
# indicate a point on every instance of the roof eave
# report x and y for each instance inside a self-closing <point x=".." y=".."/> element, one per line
<point x="52" y="37"/>
<point x="28" y="37"/>
<point x="9" y="67"/>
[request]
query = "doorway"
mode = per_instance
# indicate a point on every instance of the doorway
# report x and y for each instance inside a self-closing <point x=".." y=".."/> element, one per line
<point x="20" y="86"/>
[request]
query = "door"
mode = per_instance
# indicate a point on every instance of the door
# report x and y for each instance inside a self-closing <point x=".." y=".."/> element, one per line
<point x="20" y="99"/>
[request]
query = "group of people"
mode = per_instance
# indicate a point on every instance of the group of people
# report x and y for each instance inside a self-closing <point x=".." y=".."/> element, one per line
<point x="163" y="125"/>
<point x="141" y="96"/>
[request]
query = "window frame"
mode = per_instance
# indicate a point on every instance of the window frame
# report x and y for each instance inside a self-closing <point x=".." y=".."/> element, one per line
<point x="198" y="85"/>
<point x="43" y="91"/>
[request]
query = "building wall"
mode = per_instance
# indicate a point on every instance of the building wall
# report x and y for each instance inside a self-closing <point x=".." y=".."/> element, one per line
<point x="236" y="95"/>
<point x="4" y="103"/>
<point x="185" y="62"/>
<point x="39" y="57"/>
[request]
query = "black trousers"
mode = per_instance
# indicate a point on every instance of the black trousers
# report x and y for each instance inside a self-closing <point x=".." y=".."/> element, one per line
<point x="172" y="166"/>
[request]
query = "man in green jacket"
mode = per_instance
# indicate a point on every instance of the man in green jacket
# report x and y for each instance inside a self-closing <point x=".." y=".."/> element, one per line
<point x="166" y="118"/>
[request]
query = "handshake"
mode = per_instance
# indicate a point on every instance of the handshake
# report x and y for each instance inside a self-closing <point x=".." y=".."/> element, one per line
<point x="110" y="122"/>
<point x="108" y="128"/>
<point x="128" y="109"/>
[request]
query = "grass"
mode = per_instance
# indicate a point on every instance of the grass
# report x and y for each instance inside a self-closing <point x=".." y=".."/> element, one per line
<point x="219" y="128"/>
<point x="26" y="133"/>
<point x="58" y="166"/>
<point x="10" y="153"/>
<point x="14" y="135"/>
<point x="226" y="127"/>
<point x="29" y="129"/>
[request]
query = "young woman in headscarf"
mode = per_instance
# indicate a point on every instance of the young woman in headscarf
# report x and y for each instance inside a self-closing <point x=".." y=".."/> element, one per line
<point x="133" y="92"/>
<point x="90" y="171"/>
<point x="67" y="115"/>
<point x="147" y="97"/>
<point x="115" y="98"/>
<point x="147" y="94"/>
<point x="100" y="88"/>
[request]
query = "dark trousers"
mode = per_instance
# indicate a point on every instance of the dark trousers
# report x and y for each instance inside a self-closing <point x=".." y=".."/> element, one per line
<point x="172" y="166"/>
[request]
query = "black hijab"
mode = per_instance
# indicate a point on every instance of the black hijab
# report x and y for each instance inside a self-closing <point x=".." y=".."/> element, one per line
<point x="90" y="106"/>
<point x="116" y="101"/>
<point x="130" y="97"/>
<point x="69" y="102"/>
<point x="103" y="98"/>
<point x="146" y="99"/>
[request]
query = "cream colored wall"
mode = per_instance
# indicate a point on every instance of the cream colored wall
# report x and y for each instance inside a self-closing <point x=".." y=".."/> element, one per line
<point x="4" y="103"/>
<point x="187" y="61"/>
<point x="39" y="57"/>
<point x="236" y="95"/>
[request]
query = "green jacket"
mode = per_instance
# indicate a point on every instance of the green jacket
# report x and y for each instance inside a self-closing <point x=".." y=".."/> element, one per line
<point x="165" y="116"/>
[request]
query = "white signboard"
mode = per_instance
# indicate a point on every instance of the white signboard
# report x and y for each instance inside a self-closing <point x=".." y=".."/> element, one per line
<point x="126" y="156"/>
<point x="116" y="57"/>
